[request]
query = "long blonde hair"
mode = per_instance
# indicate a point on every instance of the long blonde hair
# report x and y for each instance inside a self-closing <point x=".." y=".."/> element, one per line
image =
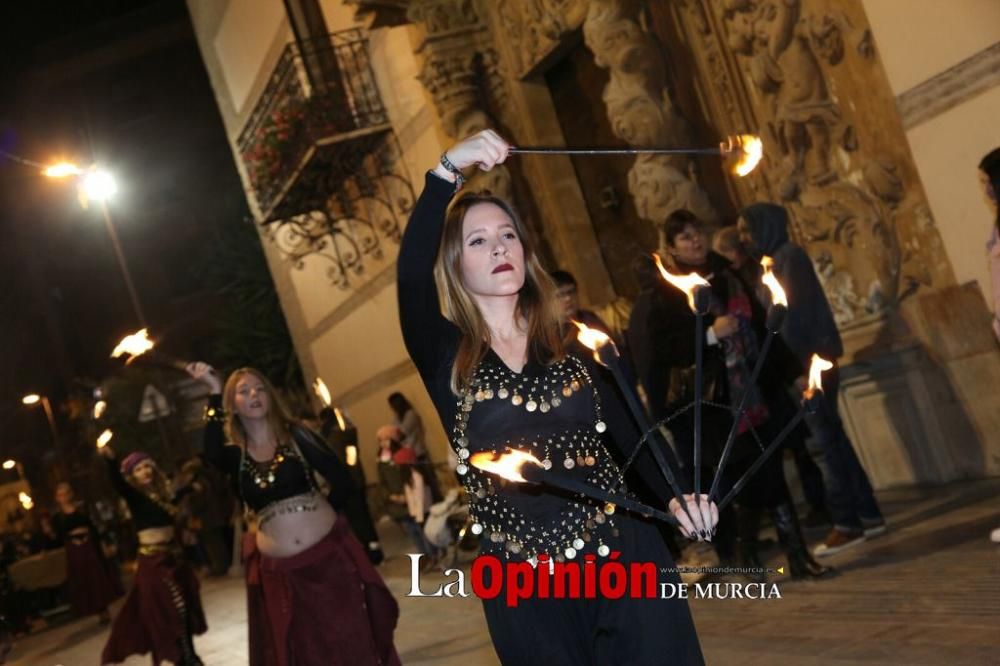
<point x="535" y="302"/>
<point x="278" y="416"/>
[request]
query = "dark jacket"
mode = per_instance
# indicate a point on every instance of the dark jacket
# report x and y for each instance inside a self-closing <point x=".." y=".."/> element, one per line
<point x="809" y="326"/>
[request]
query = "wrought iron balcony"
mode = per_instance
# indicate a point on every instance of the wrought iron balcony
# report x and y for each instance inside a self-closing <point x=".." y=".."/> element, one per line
<point x="322" y="159"/>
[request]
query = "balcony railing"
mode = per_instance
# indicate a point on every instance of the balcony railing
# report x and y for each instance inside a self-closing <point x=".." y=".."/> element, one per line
<point x="321" y="157"/>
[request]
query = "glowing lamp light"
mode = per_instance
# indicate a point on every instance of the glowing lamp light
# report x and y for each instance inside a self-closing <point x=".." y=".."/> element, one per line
<point x="9" y="464"/>
<point x="505" y="465"/>
<point x="816" y="369"/>
<point x="340" y="419"/>
<point x="351" y="455"/>
<point x="62" y="170"/>
<point x="99" y="407"/>
<point x="98" y="185"/>
<point x="31" y="399"/>
<point x="104" y="438"/>
<point x="686" y="283"/>
<point x="319" y="386"/>
<point x="771" y="282"/>
<point x="25" y="500"/>
<point x="134" y="345"/>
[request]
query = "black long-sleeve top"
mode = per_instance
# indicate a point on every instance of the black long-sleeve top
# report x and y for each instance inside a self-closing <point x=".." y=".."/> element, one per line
<point x="290" y="476"/>
<point x="146" y="512"/>
<point x="64" y="523"/>
<point x="567" y="412"/>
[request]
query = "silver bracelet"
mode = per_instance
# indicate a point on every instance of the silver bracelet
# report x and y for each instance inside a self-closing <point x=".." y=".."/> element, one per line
<point x="459" y="178"/>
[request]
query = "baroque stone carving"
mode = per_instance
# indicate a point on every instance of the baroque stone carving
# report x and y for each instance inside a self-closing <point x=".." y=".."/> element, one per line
<point x="535" y="27"/>
<point x="853" y="210"/>
<point x="641" y="112"/>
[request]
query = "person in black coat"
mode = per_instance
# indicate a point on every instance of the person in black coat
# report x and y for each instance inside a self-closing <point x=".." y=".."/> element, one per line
<point x="809" y="328"/>
<point x="733" y="331"/>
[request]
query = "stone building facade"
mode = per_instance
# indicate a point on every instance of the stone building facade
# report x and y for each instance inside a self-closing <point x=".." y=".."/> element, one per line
<point x="333" y="141"/>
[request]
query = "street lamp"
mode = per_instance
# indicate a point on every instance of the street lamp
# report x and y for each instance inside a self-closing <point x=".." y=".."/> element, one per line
<point x="34" y="399"/>
<point x="99" y="185"/>
<point x="11" y="464"/>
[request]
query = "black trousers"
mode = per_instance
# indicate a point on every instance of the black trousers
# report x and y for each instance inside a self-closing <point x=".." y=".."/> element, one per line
<point x="601" y="632"/>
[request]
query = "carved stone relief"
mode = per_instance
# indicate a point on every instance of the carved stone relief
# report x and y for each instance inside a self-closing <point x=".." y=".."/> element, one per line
<point x="641" y="112"/>
<point x="460" y="69"/>
<point x="535" y="27"/>
<point x="810" y="76"/>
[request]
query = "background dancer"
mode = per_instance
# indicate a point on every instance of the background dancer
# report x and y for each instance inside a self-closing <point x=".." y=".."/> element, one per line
<point x="91" y="579"/>
<point x="163" y="609"/>
<point x="313" y="596"/>
<point x="499" y="375"/>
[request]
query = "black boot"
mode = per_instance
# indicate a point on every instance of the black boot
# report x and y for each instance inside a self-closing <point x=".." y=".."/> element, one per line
<point x="748" y="526"/>
<point x="800" y="561"/>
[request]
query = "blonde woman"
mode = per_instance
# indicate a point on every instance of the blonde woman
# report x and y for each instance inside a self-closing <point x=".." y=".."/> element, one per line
<point x="313" y="596"/>
<point x="500" y="375"/>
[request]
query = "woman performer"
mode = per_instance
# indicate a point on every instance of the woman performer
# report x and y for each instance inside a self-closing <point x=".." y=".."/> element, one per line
<point x="92" y="580"/>
<point x="163" y="610"/>
<point x="500" y="376"/>
<point x="313" y="596"/>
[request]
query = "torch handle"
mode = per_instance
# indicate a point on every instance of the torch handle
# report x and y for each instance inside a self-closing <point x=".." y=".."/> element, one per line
<point x="554" y="150"/>
<point x="538" y="475"/>
<point x="640" y="418"/>
<point x="772" y="447"/>
<point x="699" y="344"/>
<point x="738" y="416"/>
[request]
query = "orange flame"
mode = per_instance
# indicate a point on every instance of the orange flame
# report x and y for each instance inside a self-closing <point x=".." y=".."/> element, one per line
<point x="99" y="407"/>
<point x="685" y="283"/>
<point x="62" y="170"/>
<point x="25" y="500"/>
<point x="771" y="282"/>
<point x="340" y="418"/>
<point x="816" y="370"/>
<point x="750" y="149"/>
<point x="134" y="345"/>
<point x="319" y="386"/>
<point x="591" y="338"/>
<point x="507" y="465"/>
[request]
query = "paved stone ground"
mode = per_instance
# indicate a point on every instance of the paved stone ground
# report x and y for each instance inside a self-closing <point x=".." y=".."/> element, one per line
<point x="926" y="593"/>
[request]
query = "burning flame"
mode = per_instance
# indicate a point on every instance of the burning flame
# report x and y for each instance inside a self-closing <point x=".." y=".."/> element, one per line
<point x="9" y="464"/>
<point x="591" y="338"/>
<point x="319" y="386"/>
<point x="750" y="149"/>
<point x="340" y="419"/>
<point x="351" y="454"/>
<point x="25" y="500"/>
<point x="685" y="283"/>
<point x="816" y="370"/>
<point x="104" y="438"/>
<point x="99" y="408"/>
<point x="134" y="345"/>
<point x="771" y="282"/>
<point x="507" y="465"/>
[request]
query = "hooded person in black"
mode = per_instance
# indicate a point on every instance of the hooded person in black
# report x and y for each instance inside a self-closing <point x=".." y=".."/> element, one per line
<point x="809" y="328"/>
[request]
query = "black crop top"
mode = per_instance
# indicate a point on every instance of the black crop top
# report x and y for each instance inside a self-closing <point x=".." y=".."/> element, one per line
<point x="147" y="512"/>
<point x="568" y="414"/>
<point x="64" y="523"/>
<point x="288" y="474"/>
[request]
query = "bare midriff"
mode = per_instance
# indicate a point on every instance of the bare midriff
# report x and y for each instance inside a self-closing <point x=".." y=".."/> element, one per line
<point x="288" y="527"/>
<point x="152" y="536"/>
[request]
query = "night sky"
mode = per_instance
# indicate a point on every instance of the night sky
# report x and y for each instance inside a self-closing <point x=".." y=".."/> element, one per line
<point x="120" y="83"/>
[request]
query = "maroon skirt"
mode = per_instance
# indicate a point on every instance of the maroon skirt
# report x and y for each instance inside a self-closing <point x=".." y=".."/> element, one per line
<point x="92" y="581"/>
<point x="150" y="621"/>
<point x="326" y="606"/>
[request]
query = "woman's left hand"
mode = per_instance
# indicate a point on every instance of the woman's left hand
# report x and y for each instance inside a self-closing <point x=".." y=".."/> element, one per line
<point x="700" y="519"/>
